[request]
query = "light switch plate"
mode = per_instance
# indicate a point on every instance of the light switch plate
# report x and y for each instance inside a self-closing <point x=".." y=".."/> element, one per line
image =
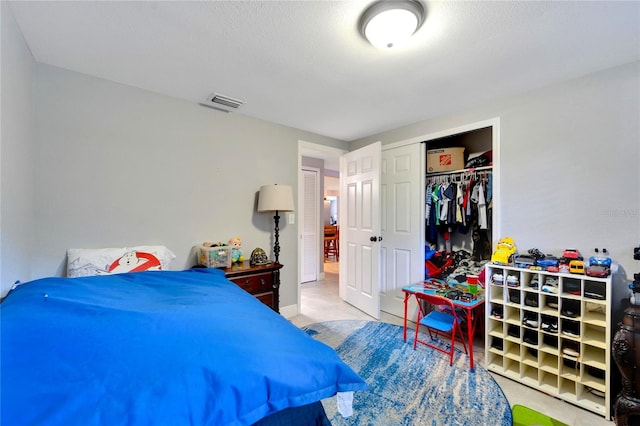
<point x="291" y="218"/>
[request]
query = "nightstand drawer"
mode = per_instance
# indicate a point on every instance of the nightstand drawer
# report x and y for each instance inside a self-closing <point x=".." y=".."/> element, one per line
<point x="262" y="281"/>
<point x="254" y="283"/>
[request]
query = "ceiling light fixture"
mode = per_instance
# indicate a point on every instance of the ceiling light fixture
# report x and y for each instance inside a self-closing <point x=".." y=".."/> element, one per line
<point x="388" y="23"/>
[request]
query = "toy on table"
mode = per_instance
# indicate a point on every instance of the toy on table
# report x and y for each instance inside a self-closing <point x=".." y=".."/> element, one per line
<point x="236" y="254"/>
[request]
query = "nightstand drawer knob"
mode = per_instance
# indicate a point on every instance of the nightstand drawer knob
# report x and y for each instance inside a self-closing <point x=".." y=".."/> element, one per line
<point x="261" y="281"/>
<point x="246" y="283"/>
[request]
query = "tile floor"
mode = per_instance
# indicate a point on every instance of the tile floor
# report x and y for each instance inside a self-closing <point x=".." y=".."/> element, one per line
<point x="320" y="302"/>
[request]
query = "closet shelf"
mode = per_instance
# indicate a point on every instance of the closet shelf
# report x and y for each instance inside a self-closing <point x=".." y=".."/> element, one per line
<point x="462" y="171"/>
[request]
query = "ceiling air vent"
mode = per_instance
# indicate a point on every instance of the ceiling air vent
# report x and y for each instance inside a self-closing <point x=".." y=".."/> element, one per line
<point x="222" y="102"/>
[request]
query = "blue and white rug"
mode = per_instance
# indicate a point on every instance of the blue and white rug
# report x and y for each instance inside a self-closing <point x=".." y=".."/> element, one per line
<point x="407" y="386"/>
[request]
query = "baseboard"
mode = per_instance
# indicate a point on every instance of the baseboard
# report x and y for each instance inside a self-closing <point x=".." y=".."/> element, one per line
<point x="289" y="311"/>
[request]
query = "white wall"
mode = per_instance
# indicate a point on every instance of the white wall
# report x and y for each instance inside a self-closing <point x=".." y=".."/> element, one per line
<point x="570" y="164"/>
<point x="16" y="154"/>
<point x="118" y="166"/>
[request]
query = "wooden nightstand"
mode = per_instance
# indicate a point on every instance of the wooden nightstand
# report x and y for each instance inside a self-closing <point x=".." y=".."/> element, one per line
<point x="262" y="281"/>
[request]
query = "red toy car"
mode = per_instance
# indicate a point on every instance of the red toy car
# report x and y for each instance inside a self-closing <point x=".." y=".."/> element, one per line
<point x="598" y="271"/>
<point x="572" y="254"/>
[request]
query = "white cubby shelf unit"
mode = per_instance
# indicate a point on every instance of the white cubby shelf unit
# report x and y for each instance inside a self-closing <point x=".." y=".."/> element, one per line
<point x="570" y="361"/>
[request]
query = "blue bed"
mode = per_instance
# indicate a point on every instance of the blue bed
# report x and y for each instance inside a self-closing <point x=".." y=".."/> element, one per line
<point x="161" y="348"/>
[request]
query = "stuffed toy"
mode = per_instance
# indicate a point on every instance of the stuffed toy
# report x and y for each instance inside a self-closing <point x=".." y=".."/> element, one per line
<point x="236" y="254"/>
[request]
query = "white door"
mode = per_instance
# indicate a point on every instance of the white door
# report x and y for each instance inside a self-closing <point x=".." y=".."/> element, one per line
<point x="402" y="223"/>
<point x="309" y="239"/>
<point x="360" y="228"/>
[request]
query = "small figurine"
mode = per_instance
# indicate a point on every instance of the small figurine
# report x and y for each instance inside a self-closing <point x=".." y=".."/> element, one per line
<point x="236" y="254"/>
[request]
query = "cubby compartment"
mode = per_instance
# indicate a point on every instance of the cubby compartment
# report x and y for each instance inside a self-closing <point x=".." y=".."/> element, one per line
<point x="513" y="333"/>
<point x="594" y="356"/>
<point x="592" y="399"/>
<point x="496" y="294"/>
<point x="554" y="334"/>
<point x="514" y="296"/>
<point x="549" y="344"/>
<point x="512" y="367"/>
<point x="571" y="286"/>
<point x="570" y="368"/>
<point x="530" y="337"/>
<point x="530" y="357"/>
<point x="530" y="320"/>
<point x="529" y="374"/>
<point x="549" y="305"/>
<point x="595" y="290"/>
<point x="595" y="336"/>
<point x="531" y="300"/>
<point x="497" y="277"/>
<point x="548" y="382"/>
<point x="570" y="328"/>
<point x="531" y="280"/>
<point x="512" y="350"/>
<point x="494" y="361"/>
<point x="594" y="378"/>
<point x="549" y="324"/>
<point x="513" y="314"/>
<point x="570" y="308"/>
<point x="497" y="345"/>
<point x="549" y="363"/>
<point x="594" y="313"/>
<point x="497" y="310"/>
<point x="495" y="328"/>
<point x="568" y="389"/>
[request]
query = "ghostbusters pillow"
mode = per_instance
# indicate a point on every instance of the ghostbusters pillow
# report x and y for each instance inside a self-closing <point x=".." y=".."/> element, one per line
<point x="88" y="262"/>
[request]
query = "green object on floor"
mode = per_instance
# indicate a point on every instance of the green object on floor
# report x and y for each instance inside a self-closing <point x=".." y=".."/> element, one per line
<point x="523" y="416"/>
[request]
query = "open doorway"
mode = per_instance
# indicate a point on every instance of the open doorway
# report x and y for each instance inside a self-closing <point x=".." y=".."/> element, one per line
<point x="318" y="206"/>
<point x="330" y="221"/>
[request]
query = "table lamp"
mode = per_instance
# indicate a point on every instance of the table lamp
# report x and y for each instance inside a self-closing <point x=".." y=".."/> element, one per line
<point x="275" y="198"/>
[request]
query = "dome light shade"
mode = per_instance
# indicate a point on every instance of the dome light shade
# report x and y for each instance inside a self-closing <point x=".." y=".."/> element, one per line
<point x="389" y="23"/>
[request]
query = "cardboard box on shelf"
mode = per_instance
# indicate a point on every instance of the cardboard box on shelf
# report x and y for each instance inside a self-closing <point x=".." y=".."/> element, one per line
<point x="445" y="160"/>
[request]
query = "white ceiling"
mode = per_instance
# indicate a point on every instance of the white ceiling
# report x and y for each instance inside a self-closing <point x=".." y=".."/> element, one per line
<point x="304" y="64"/>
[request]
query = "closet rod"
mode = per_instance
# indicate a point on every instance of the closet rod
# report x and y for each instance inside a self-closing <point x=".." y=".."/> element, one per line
<point x="463" y="171"/>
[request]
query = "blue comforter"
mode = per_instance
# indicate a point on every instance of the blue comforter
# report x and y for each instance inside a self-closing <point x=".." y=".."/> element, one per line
<point x="155" y="348"/>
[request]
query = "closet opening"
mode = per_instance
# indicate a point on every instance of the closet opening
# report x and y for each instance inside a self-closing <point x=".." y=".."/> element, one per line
<point x="459" y="204"/>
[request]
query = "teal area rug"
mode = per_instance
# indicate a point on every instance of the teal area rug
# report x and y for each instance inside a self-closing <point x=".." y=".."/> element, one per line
<point x="407" y="386"/>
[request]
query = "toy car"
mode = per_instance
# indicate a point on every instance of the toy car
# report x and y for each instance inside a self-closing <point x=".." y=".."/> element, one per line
<point x="600" y="260"/>
<point x="524" y="261"/>
<point x="570" y="254"/>
<point x="548" y="262"/>
<point x="576" y="267"/>
<point x="598" y="271"/>
<point x="505" y="250"/>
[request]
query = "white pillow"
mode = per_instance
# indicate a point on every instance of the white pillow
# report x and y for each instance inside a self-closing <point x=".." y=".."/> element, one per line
<point x="87" y="262"/>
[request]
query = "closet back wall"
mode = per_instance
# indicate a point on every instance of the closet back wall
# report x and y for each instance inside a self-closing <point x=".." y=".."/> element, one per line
<point x="119" y="166"/>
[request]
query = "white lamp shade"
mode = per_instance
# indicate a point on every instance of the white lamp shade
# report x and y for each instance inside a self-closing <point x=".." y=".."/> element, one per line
<point x="275" y="197"/>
